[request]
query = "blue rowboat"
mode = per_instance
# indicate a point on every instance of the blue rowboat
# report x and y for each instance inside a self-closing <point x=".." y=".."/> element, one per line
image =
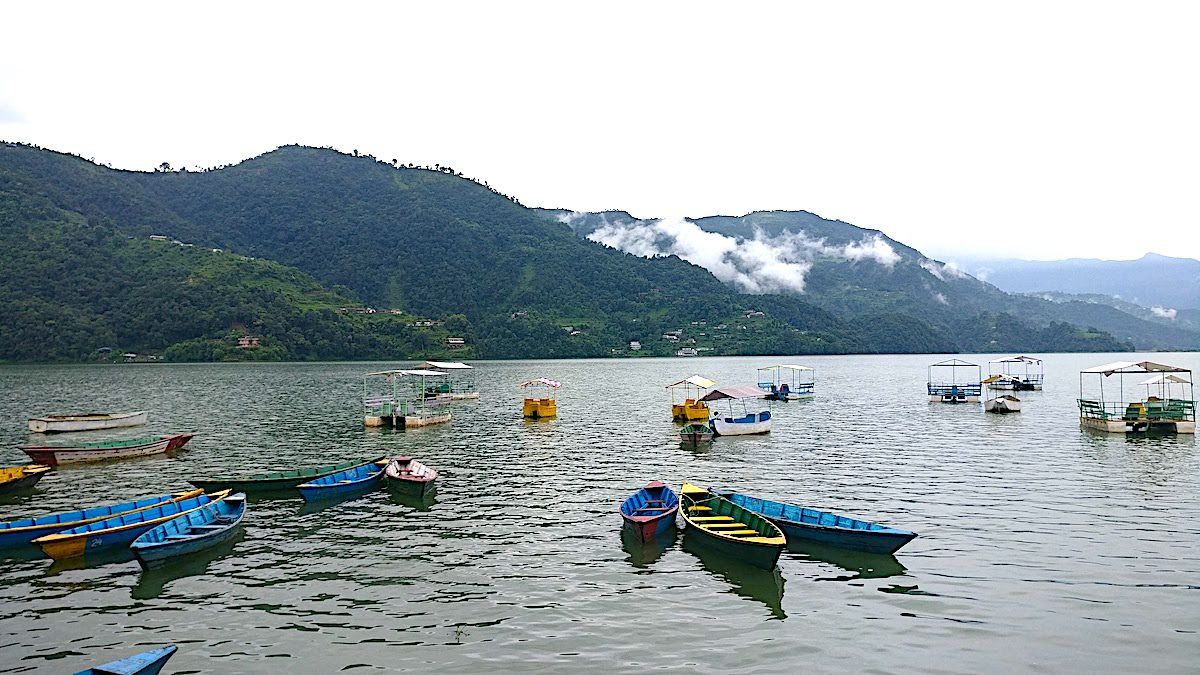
<point x="22" y="532"/>
<point x="352" y="481"/>
<point x="650" y="511"/>
<point x="800" y="523"/>
<point x="146" y="663"/>
<point x="194" y="531"/>
<point x="118" y="531"/>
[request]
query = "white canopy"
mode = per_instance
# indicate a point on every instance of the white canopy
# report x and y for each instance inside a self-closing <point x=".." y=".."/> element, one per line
<point x="553" y="384"/>
<point x="787" y="367"/>
<point x="446" y="365"/>
<point x="1134" y="367"/>
<point x="1163" y="378"/>
<point x="1017" y="359"/>
<point x="695" y="381"/>
<point x="954" y="362"/>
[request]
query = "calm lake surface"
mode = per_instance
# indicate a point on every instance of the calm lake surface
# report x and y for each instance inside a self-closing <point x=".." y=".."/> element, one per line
<point x="1042" y="547"/>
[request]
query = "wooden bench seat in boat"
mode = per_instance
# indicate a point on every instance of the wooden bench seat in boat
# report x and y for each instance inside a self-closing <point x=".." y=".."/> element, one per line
<point x="706" y="519"/>
<point x="722" y="526"/>
<point x="741" y="533"/>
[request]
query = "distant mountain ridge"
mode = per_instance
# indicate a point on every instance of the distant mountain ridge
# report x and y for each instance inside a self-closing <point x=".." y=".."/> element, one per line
<point x="852" y="271"/>
<point x="1150" y="281"/>
<point x="516" y="283"/>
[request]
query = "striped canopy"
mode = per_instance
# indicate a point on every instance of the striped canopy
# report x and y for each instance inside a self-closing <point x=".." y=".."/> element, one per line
<point x="553" y="384"/>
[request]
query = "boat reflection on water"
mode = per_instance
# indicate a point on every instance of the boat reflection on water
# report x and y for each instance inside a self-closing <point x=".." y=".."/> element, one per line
<point x="319" y="505"/>
<point x="152" y="582"/>
<point x="424" y="502"/>
<point x="642" y="554"/>
<point x="862" y="565"/>
<point x="748" y="581"/>
<point x="112" y="556"/>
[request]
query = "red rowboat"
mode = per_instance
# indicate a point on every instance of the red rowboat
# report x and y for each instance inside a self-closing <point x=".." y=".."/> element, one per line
<point x="651" y="510"/>
<point x="410" y="475"/>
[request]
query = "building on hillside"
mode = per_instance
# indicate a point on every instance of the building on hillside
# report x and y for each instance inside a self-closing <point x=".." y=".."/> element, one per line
<point x="456" y="343"/>
<point x="248" y="342"/>
<point x="158" y="237"/>
<point x="635" y="346"/>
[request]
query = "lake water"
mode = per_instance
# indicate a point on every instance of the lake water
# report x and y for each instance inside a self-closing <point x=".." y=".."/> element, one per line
<point x="1042" y="546"/>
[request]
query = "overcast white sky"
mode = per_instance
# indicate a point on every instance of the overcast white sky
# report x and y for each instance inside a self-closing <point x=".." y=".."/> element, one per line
<point x="1036" y="130"/>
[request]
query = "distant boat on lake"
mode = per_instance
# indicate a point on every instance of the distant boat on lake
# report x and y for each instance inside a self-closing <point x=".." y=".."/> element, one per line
<point x="54" y="455"/>
<point x="54" y="424"/>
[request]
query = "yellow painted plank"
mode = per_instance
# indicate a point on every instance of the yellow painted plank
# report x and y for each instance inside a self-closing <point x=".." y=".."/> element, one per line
<point x="699" y="508"/>
<point x="766" y="540"/>
<point x="703" y="519"/>
<point x="736" y="533"/>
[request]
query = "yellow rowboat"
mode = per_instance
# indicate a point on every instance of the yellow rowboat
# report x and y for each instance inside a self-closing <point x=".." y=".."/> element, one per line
<point x="15" y="478"/>
<point x="730" y="529"/>
<point x="119" y="530"/>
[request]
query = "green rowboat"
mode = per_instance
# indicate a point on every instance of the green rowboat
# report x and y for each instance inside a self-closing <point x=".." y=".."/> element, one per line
<point x="276" y="481"/>
<point x="730" y="529"/>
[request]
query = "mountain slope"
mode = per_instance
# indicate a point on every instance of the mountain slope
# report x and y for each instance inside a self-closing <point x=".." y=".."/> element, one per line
<point x="435" y="244"/>
<point x="854" y="272"/>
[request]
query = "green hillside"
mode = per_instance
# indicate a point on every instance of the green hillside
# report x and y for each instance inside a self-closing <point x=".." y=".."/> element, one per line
<point x="342" y="230"/>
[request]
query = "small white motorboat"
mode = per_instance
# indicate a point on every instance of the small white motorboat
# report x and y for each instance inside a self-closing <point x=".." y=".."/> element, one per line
<point x="53" y="424"/>
<point x="756" y="421"/>
<point x="1002" y="404"/>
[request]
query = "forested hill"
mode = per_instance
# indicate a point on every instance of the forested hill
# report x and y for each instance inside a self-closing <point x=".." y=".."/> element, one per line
<point x="853" y="272"/>
<point x="355" y="230"/>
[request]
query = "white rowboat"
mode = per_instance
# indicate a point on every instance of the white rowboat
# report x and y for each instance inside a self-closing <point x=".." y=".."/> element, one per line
<point x="1002" y="404"/>
<point x="52" y="424"/>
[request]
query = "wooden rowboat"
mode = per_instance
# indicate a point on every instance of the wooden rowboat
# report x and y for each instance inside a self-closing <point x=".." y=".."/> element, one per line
<point x="54" y="424"/>
<point x="276" y="481"/>
<point x="800" y="523"/>
<point x="731" y="529"/>
<point x="650" y="511"/>
<point x="191" y="532"/>
<point x="352" y="481"/>
<point x="117" y="531"/>
<point x="25" y="530"/>
<point x="54" y="455"/>
<point x="409" y="475"/>
<point x="16" y="478"/>
<point x="146" y="663"/>
<point x="696" y="432"/>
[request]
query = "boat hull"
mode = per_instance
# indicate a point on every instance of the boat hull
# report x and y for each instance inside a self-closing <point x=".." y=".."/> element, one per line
<point x="27" y="478"/>
<point x="539" y="408"/>
<point x="71" y="544"/>
<point x="146" y="663"/>
<point x="56" y="424"/>
<point x="408" y="476"/>
<point x="349" y="483"/>
<point x="804" y="524"/>
<point x="284" y="481"/>
<point x="742" y="426"/>
<point x="764" y="556"/>
<point x="1002" y="405"/>
<point x="57" y="456"/>
<point x="650" y="512"/>
<point x="1119" y="426"/>
<point x="23" y="532"/>
<point x="155" y="547"/>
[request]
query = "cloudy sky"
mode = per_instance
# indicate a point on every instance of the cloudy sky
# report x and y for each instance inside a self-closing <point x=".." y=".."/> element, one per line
<point x="1037" y="130"/>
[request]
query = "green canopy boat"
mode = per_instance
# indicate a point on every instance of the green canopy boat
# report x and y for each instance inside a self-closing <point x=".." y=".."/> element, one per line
<point x="276" y="481"/>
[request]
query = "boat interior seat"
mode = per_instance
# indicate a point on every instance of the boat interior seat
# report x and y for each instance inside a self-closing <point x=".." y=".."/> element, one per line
<point x="205" y="528"/>
<point x="700" y="508"/>
<point x="722" y="526"/>
<point x="177" y="537"/>
<point x="708" y="519"/>
<point x="740" y="533"/>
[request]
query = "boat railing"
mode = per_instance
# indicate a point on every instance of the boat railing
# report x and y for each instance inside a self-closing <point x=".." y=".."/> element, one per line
<point x="952" y="389"/>
<point x="1167" y="410"/>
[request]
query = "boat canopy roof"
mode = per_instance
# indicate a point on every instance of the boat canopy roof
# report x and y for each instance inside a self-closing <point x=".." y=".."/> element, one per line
<point x="997" y="378"/>
<point x="446" y="365"/>
<point x="553" y="384"/>
<point x="954" y="362"/>
<point x="733" y="391"/>
<point x="1135" y="367"/>
<point x="1017" y="359"/>
<point x="786" y="367"/>
<point x="413" y="373"/>
<point x="1163" y="378"/>
<point x="695" y="381"/>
